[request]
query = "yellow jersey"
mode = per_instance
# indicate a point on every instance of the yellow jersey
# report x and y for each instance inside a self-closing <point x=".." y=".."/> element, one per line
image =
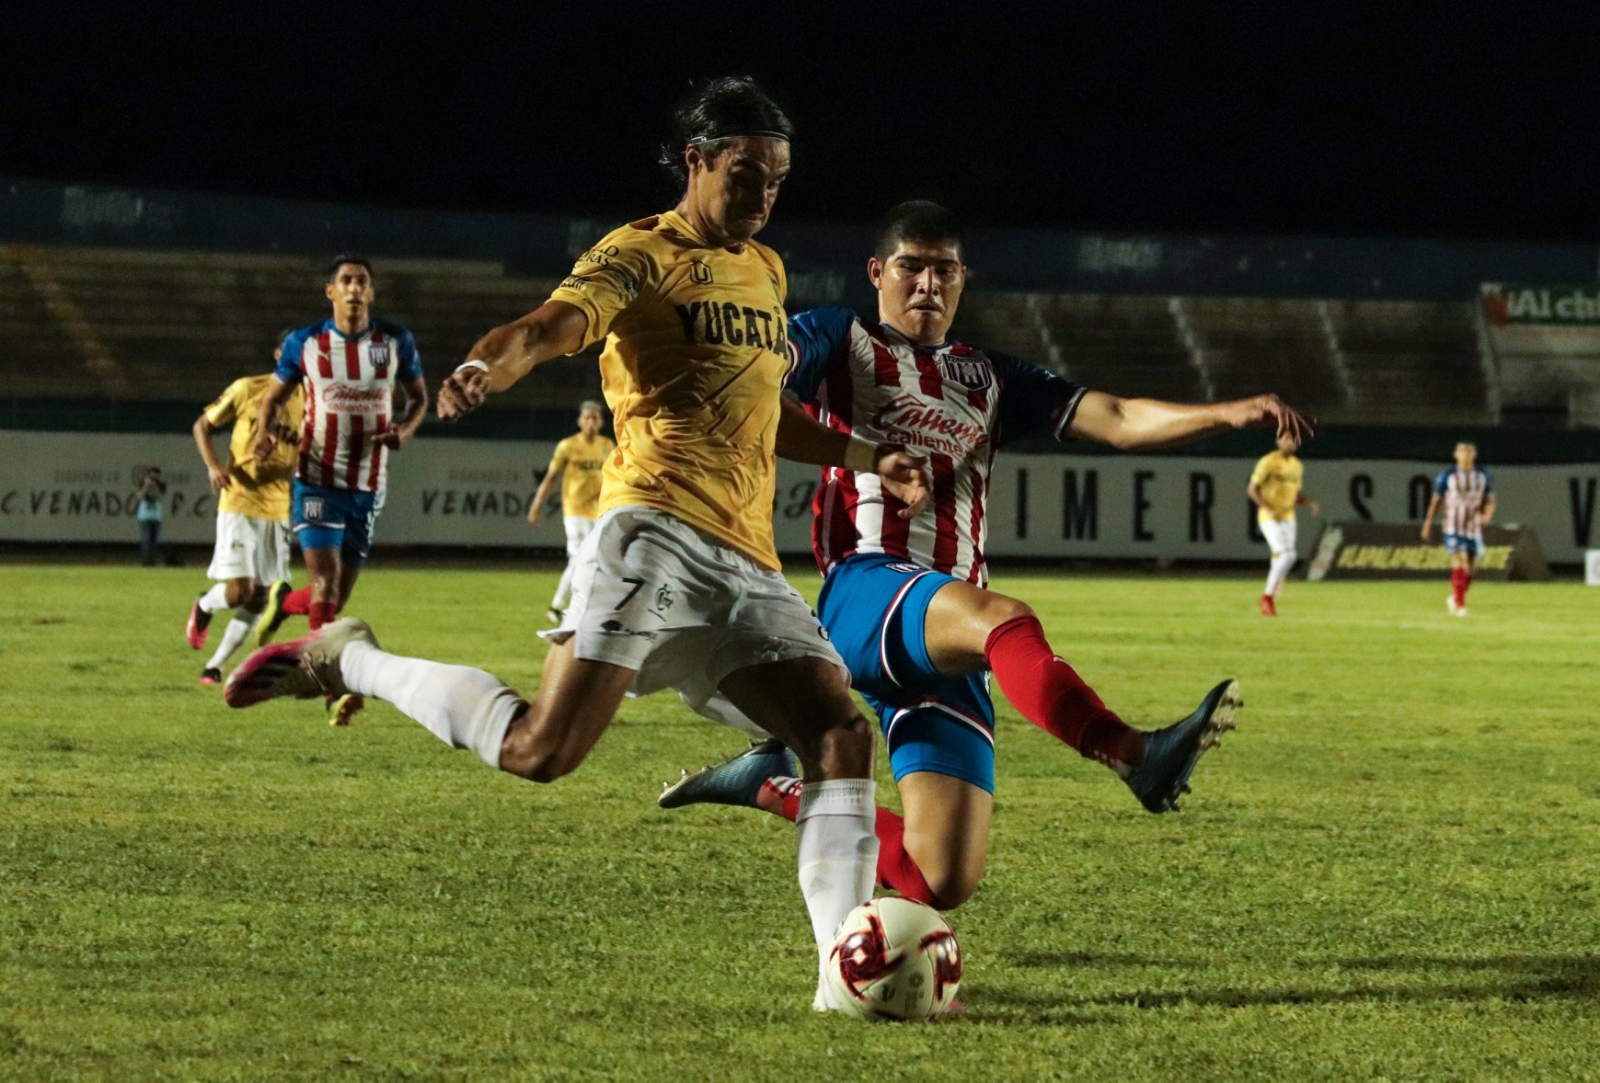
<point x="259" y="490"/>
<point x="582" y="459"/>
<point x="696" y="348"/>
<point x="1278" y="476"/>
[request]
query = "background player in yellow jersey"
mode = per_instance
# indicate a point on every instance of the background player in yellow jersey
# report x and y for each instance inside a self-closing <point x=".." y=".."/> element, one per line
<point x="578" y="461"/>
<point x="1275" y="490"/>
<point x="680" y="586"/>
<point x="252" y="547"/>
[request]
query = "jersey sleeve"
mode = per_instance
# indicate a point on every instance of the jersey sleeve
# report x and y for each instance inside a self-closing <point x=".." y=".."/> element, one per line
<point x="410" y="360"/>
<point x="291" y="360"/>
<point x="608" y="278"/>
<point x="1259" y="474"/>
<point x="225" y="411"/>
<point x="1034" y="403"/>
<point x="558" y="457"/>
<point x="818" y="338"/>
<point x="1441" y="484"/>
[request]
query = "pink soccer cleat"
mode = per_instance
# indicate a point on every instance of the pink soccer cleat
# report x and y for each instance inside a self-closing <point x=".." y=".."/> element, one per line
<point x="302" y="668"/>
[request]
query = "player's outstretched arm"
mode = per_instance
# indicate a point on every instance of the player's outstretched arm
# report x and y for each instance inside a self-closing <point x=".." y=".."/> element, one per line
<point x="1133" y="424"/>
<point x="509" y="352"/>
<point x="802" y="439"/>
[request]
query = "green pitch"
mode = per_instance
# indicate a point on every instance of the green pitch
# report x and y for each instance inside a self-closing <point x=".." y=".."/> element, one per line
<point x="1389" y="870"/>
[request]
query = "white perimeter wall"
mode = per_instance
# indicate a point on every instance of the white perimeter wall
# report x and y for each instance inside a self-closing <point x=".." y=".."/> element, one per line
<point x="77" y="486"/>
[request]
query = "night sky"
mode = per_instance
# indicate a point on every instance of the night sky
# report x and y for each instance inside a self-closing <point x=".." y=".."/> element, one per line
<point x="1128" y="117"/>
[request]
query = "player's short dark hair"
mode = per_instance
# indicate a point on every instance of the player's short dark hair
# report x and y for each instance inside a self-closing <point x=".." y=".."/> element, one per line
<point x="348" y="257"/>
<point x="920" y="221"/>
<point x="720" y="110"/>
<point x="588" y="405"/>
<point x="283" y="336"/>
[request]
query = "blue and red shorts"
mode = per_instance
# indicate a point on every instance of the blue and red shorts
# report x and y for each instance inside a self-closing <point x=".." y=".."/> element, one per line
<point x="875" y="609"/>
<point x="339" y="519"/>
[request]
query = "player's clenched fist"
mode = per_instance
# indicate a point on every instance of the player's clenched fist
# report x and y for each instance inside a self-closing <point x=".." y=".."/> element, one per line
<point x="905" y="476"/>
<point x="463" y="391"/>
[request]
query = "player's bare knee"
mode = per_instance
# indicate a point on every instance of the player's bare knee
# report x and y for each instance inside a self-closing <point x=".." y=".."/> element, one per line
<point x="999" y="608"/>
<point x="844" y="749"/>
<point x="239" y="592"/>
<point x="952" y="888"/>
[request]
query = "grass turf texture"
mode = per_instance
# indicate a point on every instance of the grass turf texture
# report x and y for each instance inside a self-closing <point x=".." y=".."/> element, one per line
<point x="1388" y="871"/>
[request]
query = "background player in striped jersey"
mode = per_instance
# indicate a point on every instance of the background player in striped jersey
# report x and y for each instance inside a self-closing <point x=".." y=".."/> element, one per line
<point x="1275" y="489"/>
<point x="252" y="546"/>
<point x="906" y="601"/>
<point x="680" y="585"/>
<point x="350" y="366"/>
<point x="577" y="461"/>
<point x="1467" y="494"/>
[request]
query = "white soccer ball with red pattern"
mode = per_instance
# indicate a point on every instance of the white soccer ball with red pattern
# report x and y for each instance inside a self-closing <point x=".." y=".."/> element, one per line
<point x="894" y="959"/>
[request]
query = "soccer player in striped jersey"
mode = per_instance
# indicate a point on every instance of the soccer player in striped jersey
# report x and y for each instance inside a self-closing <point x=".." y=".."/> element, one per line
<point x="350" y="366"/>
<point x="680" y="584"/>
<point x="1467" y="495"/>
<point x="578" y="462"/>
<point x="252" y="547"/>
<point x="906" y="600"/>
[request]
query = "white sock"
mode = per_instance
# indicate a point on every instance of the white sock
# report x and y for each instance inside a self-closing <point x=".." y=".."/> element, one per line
<point x="563" y="588"/>
<point x="216" y="599"/>
<point x="463" y="707"/>
<point x="838" y="860"/>
<point x="1281" y="565"/>
<point x="232" y="637"/>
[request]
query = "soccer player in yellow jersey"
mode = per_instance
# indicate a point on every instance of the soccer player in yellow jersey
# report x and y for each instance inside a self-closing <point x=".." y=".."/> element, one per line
<point x="680" y="585"/>
<point x="1275" y="490"/>
<point x="578" y="461"/>
<point x="252" y="547"/>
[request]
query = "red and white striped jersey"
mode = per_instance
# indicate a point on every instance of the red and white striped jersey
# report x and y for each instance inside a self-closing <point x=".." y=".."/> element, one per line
<point x="349" y="391"/>
<point x="954" y="403"/>
<point x="1464" y="492"/>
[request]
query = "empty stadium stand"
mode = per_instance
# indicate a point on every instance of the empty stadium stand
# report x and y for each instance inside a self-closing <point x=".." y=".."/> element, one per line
<point x="81" y="323"/>
<point x="87" y="322"/>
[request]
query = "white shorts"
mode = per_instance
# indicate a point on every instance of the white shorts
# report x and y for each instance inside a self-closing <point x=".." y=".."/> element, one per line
<point x="680" y="608"/>
<point x="578" y="528"/>
<point x="1280" y="535"/>
<point x="249" y="548"/>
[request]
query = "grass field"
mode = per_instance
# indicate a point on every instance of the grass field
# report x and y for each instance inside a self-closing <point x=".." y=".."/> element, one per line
<point x="1389" y="871"/>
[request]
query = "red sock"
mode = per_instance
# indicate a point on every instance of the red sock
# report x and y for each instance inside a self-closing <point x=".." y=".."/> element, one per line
<point x="1050" y="694"/>
<point x="322" y="613"/>
<point x="896" y="869"/>
<point x="1466" y="581"/>
<point x="298" y="602"/>
<point x="1458" y="585"/>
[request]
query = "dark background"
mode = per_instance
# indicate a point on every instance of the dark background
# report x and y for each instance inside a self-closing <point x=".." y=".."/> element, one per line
<point x="1393" y="120"/>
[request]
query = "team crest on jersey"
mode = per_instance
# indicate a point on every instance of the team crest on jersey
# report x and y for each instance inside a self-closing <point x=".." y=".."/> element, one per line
<point x="699" y="273"/>
<point x="379" y="352"/>
<point x="972" y="373"/>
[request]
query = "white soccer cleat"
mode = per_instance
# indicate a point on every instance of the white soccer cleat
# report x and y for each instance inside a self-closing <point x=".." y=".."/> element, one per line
<point x="1451" y="607"/>
<point x="302" y="668"/>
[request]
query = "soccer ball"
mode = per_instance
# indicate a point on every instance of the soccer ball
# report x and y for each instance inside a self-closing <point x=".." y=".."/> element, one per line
<point x="894" y="959"/>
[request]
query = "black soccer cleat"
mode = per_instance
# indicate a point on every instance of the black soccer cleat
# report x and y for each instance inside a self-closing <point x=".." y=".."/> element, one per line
<point x="211" y="675"/>
<point x="1171" y="753"/>
<point x="735" y="781"/>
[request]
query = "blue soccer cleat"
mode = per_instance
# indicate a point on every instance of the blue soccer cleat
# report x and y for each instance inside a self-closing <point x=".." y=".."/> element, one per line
<point x="1171" y="753"/>
<point x="736" y="781"/>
